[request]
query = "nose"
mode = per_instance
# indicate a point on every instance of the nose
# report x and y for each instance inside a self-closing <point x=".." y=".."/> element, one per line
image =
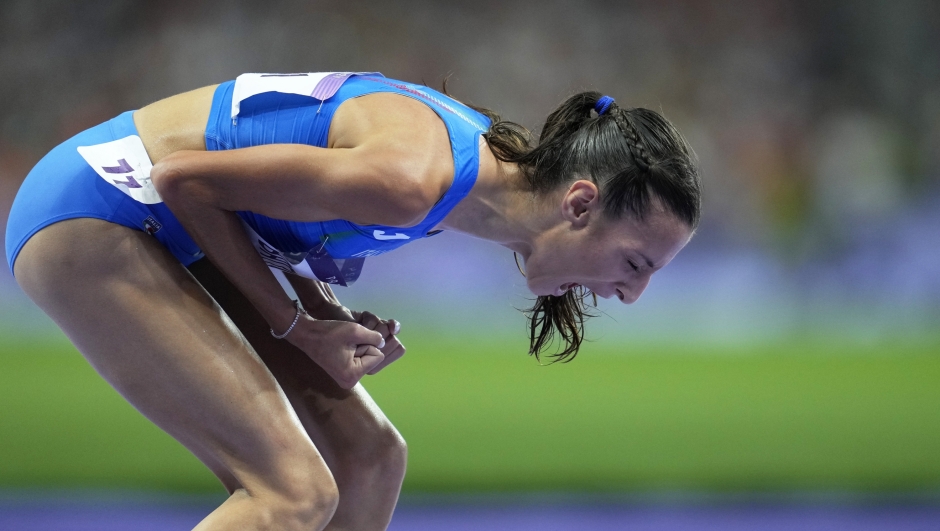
<point x="630" y="292"/>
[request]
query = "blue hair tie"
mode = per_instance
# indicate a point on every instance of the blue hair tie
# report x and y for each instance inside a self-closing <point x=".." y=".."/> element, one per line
<point x="603" y="104"/>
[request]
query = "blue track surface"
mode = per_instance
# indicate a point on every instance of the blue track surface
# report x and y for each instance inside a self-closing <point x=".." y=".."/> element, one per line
<point x="733" y="518"/>
<point x="47" y="514"/>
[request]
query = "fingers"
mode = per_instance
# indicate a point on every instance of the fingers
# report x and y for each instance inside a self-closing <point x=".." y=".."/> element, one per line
<point x="388" y="328"/>
<point x="372" y="322"/>
<point x="369" y="320"/>
<point x="363" y="336"/>
<point x="389" y="346"/>
<point x="366" y="359"/>
<point x="394" y="350"/>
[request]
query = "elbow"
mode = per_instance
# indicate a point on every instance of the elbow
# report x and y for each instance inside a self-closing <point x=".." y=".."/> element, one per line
<point x="171" y="181"/>
<point x="167" y="178"/>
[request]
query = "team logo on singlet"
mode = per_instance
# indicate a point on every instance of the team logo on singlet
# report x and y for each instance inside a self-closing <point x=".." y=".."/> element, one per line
<point x="151" y="225"/>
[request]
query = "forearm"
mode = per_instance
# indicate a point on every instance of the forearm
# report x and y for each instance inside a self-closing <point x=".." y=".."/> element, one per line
<point x="318" y="299"/>
<point x="220" y="234"/>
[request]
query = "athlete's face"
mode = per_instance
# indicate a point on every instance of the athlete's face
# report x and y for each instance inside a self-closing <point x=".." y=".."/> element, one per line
<point x="610" y="257"/>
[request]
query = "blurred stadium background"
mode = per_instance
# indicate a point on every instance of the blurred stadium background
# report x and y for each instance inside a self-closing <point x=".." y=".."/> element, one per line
<point x="793" y="348"/>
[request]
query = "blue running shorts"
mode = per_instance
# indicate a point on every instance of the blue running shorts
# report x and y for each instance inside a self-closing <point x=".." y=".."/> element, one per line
<point x="63" y="185"/>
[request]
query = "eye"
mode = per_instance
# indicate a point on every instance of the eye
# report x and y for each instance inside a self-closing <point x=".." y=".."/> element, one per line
<point x="635" y="268"/>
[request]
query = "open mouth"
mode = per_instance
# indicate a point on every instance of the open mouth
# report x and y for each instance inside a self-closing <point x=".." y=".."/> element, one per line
<point x="568" y="286"/>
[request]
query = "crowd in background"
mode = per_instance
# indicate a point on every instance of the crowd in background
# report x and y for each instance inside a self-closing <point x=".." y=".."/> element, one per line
<point x="817" y="123"/>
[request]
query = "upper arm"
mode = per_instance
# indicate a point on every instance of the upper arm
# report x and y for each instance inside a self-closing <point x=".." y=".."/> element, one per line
<point x="377" y="182"/>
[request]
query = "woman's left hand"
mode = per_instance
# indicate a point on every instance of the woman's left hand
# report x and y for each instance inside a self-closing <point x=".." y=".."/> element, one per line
<point x="389" y="329"/>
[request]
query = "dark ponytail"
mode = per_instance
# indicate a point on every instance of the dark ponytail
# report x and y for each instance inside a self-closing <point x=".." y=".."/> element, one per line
<point x="634" y="156"/>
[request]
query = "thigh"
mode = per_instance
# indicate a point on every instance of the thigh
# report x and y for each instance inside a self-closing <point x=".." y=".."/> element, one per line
<point x="339" y="421"/>
<point x="154" y="334"/>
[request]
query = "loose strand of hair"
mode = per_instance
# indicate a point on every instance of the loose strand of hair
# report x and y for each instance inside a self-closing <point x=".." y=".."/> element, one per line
<point x="564" y="315"/>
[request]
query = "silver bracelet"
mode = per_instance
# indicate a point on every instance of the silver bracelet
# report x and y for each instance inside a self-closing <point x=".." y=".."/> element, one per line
<point x="292" y="325"/>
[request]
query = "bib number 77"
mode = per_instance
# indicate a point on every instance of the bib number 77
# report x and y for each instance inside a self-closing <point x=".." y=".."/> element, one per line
<point x="124" y="164"/>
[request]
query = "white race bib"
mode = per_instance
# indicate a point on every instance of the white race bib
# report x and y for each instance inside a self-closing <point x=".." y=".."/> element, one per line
<point x="319" y="85"/>
<point x="124" y="164"/>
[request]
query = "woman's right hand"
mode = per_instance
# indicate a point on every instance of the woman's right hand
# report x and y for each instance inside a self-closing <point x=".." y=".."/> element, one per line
<point x="346" y="351"/>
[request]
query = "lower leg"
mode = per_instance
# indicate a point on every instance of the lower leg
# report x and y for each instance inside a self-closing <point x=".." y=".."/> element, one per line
<point x="152" y="332"/>
<point x="244" y="511"/>
<point x="365" y="453"/>
<point x="369" y="494"/>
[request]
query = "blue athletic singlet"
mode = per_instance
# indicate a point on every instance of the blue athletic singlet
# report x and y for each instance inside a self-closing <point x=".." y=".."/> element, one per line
<point x="104" y="173"/>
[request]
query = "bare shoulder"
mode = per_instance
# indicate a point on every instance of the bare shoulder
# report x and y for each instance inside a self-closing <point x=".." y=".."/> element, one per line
<point x="407" y="134"/>
<point x="388" y="161"/>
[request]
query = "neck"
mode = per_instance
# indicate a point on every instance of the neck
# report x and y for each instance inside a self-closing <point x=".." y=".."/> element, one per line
<point x="500" y="207"/>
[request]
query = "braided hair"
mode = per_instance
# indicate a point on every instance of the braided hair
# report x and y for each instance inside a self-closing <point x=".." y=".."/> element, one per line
<point x="641" y="156"/>
<point x="633" y="156"/>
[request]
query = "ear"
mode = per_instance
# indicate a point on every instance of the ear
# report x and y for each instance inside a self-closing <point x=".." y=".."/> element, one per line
<point x="580" y="202"/>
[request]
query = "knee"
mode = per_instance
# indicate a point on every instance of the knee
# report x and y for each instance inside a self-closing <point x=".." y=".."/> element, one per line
<point x="396" y="455"/>
<point x="304" y="500"/>
<point x="391" y="453"/>
<point x="313" y="510"/>
<point x="383" y="456"/>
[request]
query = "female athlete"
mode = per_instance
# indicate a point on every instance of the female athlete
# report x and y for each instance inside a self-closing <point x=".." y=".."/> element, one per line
<point x="149" y="240"/>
